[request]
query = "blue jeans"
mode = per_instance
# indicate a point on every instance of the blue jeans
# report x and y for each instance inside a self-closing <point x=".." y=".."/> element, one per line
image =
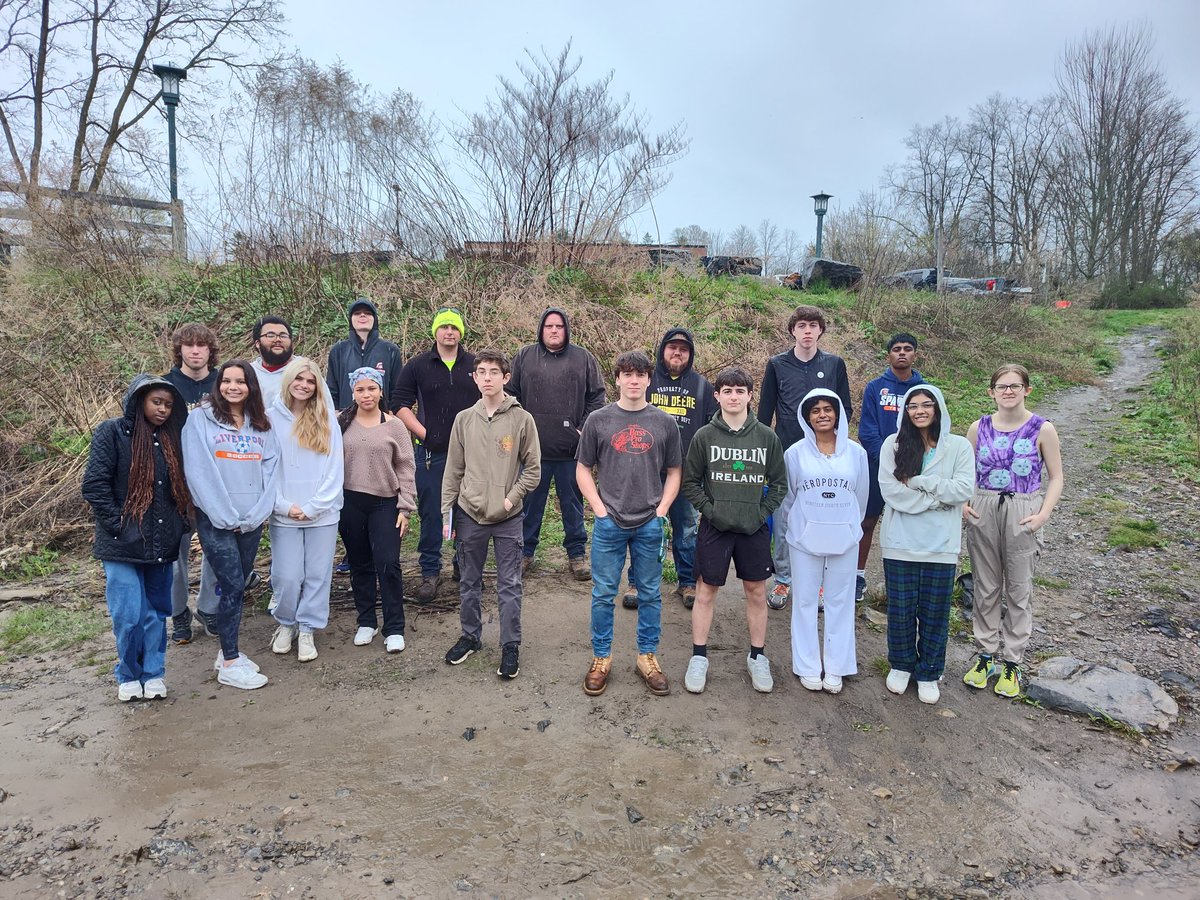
<point x="431" y="467"/>
<point x="231" y="555"/>
<point x="139" y="601"/>
<point x="574" y="532"/>
<point x="685" y="523"/>
<point x="645" y="547"/>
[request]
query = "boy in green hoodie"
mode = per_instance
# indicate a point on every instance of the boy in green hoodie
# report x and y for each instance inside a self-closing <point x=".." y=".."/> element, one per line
<point x="735" y="476"/>
<point x="493" y="462"/>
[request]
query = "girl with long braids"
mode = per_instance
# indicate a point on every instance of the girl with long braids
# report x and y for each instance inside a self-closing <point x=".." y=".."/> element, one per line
<point x="231" y="459"/>
<point x="135" y="484"/>
<point x="304" y="526"/>
<point x="926" y="474"/>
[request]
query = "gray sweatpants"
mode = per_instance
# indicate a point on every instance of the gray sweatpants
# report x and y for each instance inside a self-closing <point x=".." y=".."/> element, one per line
<point x="302" y="574"/>
<point x="473" y="541"/>
<point x="1003" y="555"/>
<point x="781" y="550"/>
<point x="206" y="600"/>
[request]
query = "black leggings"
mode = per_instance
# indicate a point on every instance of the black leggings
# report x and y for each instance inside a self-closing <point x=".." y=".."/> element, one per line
<point x="372" y="540"/>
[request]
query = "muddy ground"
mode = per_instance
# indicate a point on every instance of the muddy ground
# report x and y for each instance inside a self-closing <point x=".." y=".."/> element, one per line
<point x="363" y="775"/>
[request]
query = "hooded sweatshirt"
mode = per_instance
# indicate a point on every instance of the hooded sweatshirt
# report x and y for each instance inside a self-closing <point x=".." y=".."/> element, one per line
<point x="922" y="520"/>
<point x="689" y="398"/>
<point x="233" y="473"/>
<point x="735" y="479"/>
<point x="155" y="539"/>
<point x="559" y="388"/>
<point x="826" y="494"/>
<point x="880" y="405"/>
<point x="490" y="460"/>
<point x="351" y="353"/>
<point x="310" y="480"/>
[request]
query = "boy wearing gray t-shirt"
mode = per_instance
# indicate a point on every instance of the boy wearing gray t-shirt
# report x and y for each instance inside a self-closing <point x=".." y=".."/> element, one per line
<point x="632" y="444"/>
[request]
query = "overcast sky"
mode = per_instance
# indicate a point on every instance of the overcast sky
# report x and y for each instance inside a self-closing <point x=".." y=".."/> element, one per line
<point x="779" y="99"/>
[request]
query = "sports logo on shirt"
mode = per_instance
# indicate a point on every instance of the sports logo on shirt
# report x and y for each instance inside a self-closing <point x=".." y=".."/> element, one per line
<point x="633" y="439"/>
<point x="504" y="445"/>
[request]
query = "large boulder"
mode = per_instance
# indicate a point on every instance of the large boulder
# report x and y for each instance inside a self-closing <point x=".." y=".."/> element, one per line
<point x="731" y="265"/>
<point x="834" y="274"/>
<point x="1072" y="685"/>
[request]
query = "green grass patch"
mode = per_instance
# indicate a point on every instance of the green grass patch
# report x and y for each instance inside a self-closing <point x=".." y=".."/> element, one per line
<point x="30" y="567"/>
<point x="879" y="665"/>
<point x="1134" y="534"/>
<point x="1057" y="584"/>
<point x="36" y="629"/>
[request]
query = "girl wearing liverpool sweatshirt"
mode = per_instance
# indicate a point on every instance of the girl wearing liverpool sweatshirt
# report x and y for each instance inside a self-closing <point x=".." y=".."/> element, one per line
<point x="380" y="494"/>
<point x="231" y="460"/>
<point x="307" y="507"/>
<point x="827" y="493"/>
<point x="925" y="475"/>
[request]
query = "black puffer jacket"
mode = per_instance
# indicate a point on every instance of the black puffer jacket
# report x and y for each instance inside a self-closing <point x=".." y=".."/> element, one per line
<point x="106" y="482"/>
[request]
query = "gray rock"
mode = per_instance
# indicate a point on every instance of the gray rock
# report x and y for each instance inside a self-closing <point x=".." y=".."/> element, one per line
<point x="833" y="273"/>
<point x="1171" y="676"/>
<point x="1072" y="685"/>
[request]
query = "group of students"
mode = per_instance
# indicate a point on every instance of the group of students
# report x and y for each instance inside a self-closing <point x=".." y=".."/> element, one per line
<point x="264" y="442"/>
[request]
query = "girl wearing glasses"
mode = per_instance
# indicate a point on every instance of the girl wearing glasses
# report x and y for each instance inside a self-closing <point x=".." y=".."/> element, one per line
<point x="1014" y="448"/>
<point x="925" y="476"/>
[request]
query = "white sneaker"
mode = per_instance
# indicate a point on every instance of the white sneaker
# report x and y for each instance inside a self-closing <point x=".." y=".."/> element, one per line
<point x="832" y="684"/>
<point x="897" y="681"/>
<point x="307" y="651"/>
<point x="811" y="684"/>
<point x="242" y="656"/>
<point x="393" y="643"/>
<point x="282" y="641"/>
<point x="760" y="673"/>
<point x="928" y="691"/>
<point x="129" y="690"/>
<point x="364" y="636"/>
<point x="155" y="689"/>
<point x="241" y="674"/>
<point x="697" y="675"/>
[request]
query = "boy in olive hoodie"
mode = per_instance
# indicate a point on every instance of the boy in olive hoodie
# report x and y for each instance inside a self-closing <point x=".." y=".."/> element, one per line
<point x="735" y="476"/>
<point x="492" y="463"/>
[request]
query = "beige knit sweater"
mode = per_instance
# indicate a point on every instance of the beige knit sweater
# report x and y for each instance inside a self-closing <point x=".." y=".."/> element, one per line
<point x="379" y="461"/>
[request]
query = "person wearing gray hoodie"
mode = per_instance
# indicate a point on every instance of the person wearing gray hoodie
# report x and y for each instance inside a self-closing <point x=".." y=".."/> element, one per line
<point x="926" y="475"/>
<point x="231" y="459"/>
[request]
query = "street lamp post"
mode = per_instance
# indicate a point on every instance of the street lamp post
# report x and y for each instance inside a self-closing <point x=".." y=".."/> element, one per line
<point x="171" y="76"/>
<point x="820" y="205"/>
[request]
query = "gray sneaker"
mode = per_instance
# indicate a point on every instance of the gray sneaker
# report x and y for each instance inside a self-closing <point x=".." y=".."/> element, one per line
<point x="760" y="673"/>
<point x="697" y="674"/>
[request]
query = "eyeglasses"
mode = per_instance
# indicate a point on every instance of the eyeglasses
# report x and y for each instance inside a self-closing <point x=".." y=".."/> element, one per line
<point x="275" y="336"/>
<point x="1008" y="388"/>
<point x="927" y="405"/>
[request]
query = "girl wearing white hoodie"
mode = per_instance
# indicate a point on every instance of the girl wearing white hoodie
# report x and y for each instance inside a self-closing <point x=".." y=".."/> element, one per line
<point x="307" y="507"/>
<point x="926" y="474"/>
<point x="230" y="460"/>
<point x="828" y="482"/>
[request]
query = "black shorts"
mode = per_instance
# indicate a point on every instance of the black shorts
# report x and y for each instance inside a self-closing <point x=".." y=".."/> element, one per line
<point x="751" y="554"/>
<point x="874" y="495"/>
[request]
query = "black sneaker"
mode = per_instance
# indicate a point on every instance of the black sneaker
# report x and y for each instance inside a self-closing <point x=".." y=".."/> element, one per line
<point x="630" y="599"/>
<point x="860" y="588"/>
<point x="208" y="621"/>
<point x="427" y="590"/>
<point x="510" y="663"/>
<point x="253" y="580"/>
<point x="181" y="627"/>
<point x="464" y="648"/>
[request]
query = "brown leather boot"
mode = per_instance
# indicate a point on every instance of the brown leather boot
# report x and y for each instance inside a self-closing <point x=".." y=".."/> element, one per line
<point x="596" y="679"/>
<point x="647" y="667"/>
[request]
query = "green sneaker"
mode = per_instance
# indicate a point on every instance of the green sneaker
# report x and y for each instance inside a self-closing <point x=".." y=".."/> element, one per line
<point x="979" y="674"/>
<point x="1009" y="684"/>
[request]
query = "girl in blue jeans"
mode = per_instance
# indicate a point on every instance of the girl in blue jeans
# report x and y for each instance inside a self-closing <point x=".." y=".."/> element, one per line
<point x="135" y="485"/>
<point x="231" y="459"/>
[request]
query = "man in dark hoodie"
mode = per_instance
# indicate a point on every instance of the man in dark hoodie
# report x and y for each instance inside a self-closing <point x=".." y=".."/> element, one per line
<point x="439" y="382"/>
<point x="789" y="377"/>
<point x="363" y="348"/>
<point x="690" y="399"/>
<point x="560" y="385"/>
<point x="880" y="419"/>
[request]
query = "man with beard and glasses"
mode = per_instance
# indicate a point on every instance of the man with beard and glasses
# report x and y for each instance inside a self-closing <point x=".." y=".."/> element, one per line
<point x="273" y="341"/>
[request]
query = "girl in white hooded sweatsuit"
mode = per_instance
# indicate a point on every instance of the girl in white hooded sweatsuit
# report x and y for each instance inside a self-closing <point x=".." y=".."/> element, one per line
<point x="826" y="496"/>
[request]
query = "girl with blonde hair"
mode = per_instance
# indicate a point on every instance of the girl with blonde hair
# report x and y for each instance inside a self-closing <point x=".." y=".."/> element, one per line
<point x="308" y="504"/>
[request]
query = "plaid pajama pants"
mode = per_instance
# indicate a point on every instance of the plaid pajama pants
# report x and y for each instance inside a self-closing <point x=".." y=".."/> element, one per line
<point x="919" y="598"/>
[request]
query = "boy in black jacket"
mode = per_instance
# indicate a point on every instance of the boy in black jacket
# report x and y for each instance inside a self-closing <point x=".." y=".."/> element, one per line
<point x="363" y="347"/>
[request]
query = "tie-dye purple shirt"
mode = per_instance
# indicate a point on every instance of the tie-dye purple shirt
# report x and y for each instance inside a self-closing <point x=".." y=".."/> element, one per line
<point x="1009" y="460"/>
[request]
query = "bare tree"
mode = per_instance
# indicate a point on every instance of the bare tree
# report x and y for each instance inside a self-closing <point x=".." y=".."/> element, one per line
<point x="742" y="242"/>
<point x="554" y="159"/>
<point x="873" y="234"/>
<point x="692" y="234"/>
<point x="768" y="244"/>
<point x="85" y="81"/>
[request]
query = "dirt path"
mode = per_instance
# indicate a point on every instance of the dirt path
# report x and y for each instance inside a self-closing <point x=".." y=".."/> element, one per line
<point x="361" y="775"/>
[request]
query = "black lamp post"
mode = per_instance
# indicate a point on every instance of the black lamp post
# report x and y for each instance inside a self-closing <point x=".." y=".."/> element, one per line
<point x="171" y="76"/>
<point x="820" y="205"/>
